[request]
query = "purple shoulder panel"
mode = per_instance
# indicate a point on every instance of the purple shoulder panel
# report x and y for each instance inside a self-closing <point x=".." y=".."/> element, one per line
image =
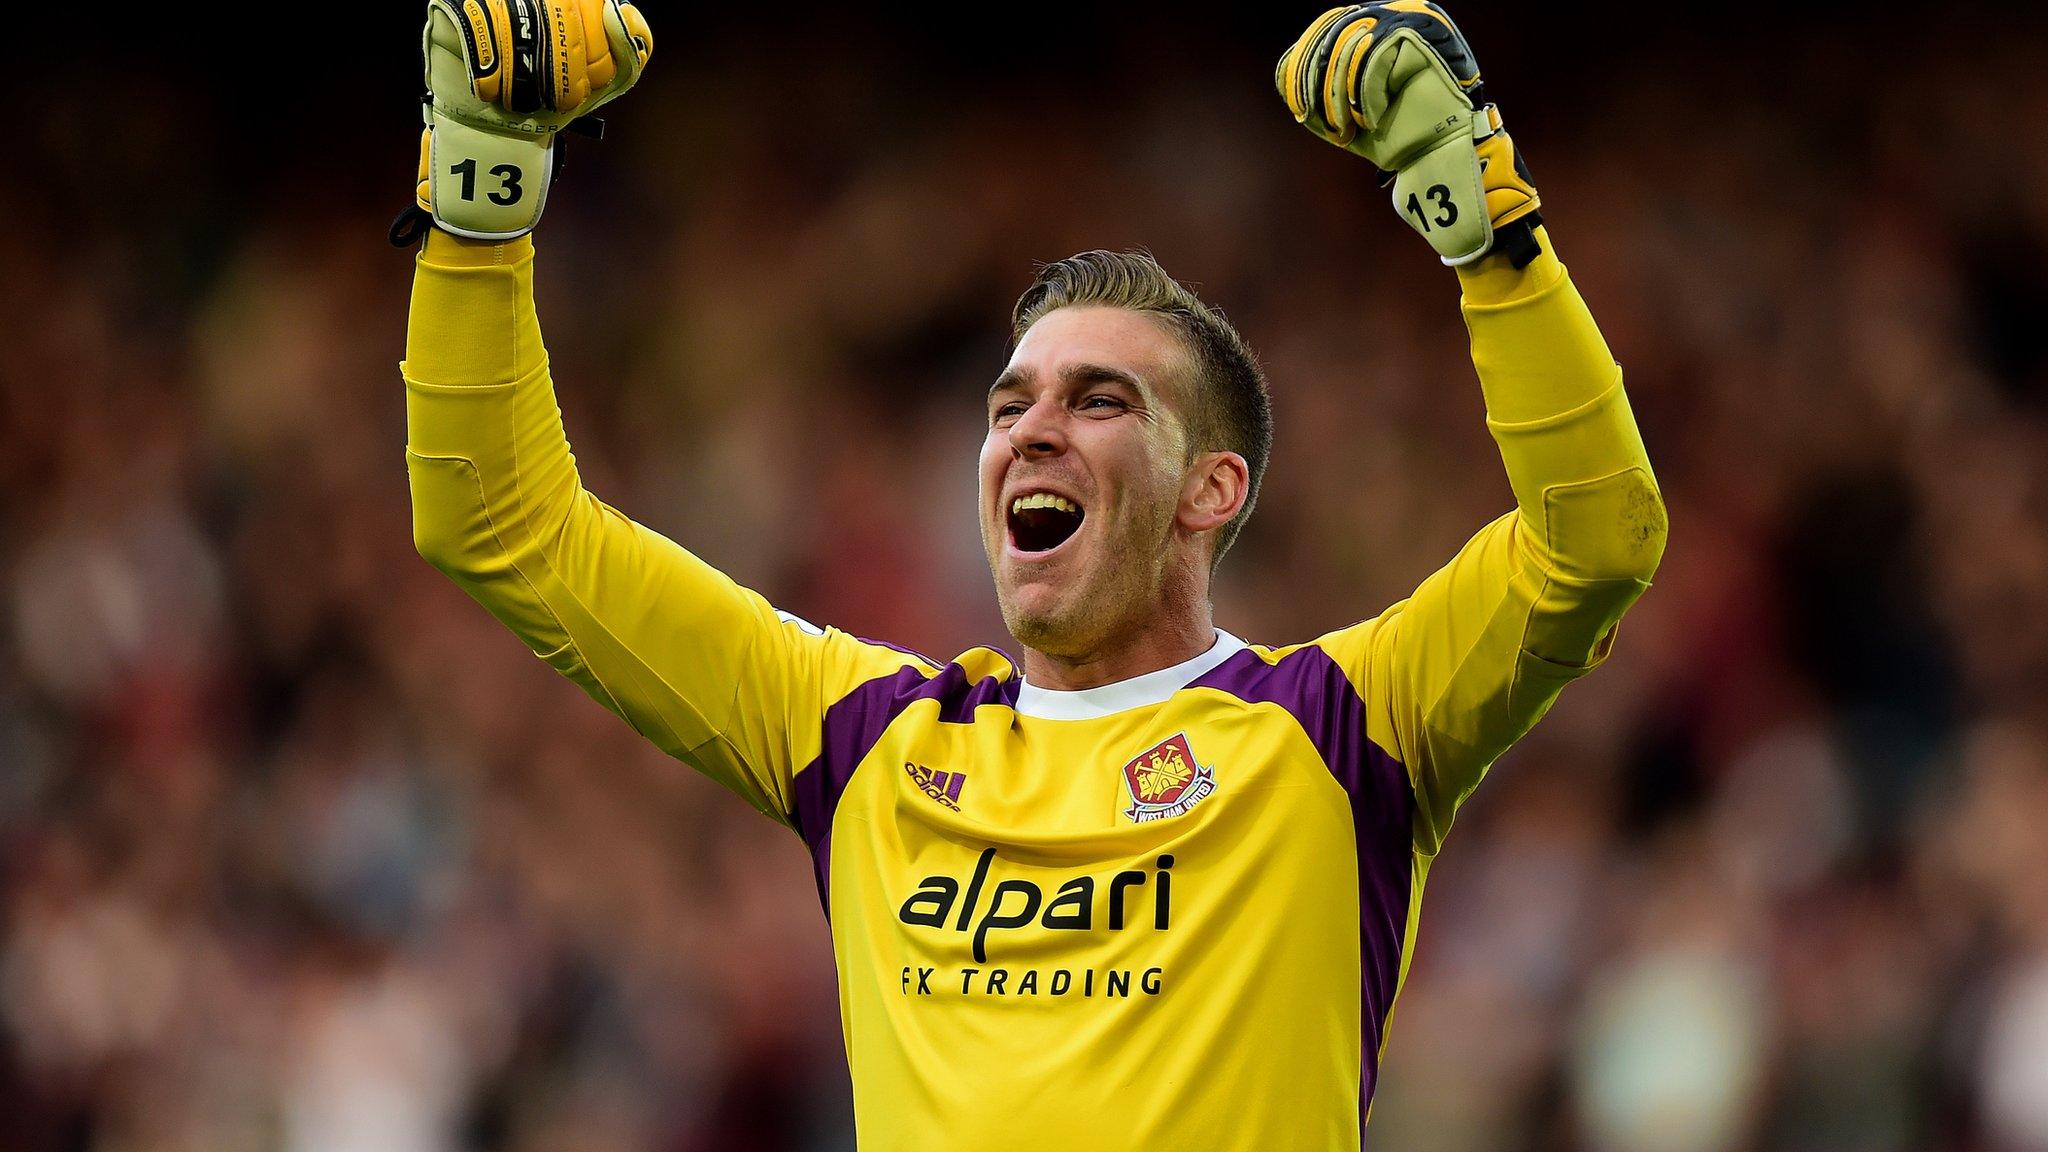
<point x="855" y="723"/>
<point x="1320" y="697"/>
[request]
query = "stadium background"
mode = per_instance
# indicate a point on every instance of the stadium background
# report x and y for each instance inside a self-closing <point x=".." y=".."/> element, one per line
<point x="300" y="850"/>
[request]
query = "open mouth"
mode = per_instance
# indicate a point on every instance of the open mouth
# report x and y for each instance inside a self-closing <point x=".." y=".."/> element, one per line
<point x="1041" y="521"/>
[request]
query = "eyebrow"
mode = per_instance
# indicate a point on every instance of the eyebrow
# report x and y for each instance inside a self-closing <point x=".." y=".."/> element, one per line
<point x="1074" y="374"/>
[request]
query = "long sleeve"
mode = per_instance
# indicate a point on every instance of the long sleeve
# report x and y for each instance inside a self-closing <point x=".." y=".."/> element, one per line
<point x="1589" y="517"/>
<point x="1463" y="668"/>
<point x="704" y="668"/>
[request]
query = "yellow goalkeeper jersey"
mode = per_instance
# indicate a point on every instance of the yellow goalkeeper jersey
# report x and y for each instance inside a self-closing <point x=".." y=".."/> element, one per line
<point x="1168" y="913"/>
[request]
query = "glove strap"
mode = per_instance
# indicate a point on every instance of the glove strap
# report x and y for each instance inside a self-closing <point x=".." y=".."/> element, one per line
<point x="1441" y="195"/>
<point x="410" y="227"/>
<point x="487" y="185"/>
<point x="1517" y="241"/>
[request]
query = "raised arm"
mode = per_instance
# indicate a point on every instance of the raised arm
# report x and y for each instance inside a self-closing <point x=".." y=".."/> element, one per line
<point x="1476" y="656"/>
<point x="1457" y="672"/>
<point x="704" y="668"/>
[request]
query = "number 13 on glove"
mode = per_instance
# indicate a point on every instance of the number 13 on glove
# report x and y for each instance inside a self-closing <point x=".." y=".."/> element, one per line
<point x="1396" y="83"/>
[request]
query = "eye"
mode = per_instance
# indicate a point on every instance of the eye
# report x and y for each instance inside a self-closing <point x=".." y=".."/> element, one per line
<point x="1004" y="412"/>
<point x="1103" y="402"/>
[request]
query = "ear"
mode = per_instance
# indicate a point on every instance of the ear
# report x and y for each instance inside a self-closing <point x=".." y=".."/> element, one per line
<point x="1214" y="491"/>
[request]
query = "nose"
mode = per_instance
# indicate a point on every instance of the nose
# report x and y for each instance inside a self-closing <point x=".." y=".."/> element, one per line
<point x="1039" y="432"/>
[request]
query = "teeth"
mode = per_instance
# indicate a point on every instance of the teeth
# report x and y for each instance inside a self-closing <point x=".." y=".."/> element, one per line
<point x="1044" y="500"/>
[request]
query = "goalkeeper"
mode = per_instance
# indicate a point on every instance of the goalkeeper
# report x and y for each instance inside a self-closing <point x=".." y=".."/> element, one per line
<point x="1149" y="886"/>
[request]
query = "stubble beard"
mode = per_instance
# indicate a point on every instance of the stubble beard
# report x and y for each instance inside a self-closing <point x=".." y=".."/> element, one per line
<point x="1077" y="621"/>
<point x="1114" y="596"/>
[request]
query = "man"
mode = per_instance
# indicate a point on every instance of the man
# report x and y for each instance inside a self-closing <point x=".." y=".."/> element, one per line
<point x="1154" y="887"/>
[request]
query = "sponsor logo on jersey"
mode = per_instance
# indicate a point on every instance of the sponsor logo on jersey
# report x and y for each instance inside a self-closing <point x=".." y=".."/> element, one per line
<point x="941" y="786"/>
<point x="1166" y="780"/>
<point x="1000" y="903"/>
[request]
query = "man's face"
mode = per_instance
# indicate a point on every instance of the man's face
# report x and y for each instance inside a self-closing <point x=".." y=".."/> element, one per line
<point x="1082" y="476"/>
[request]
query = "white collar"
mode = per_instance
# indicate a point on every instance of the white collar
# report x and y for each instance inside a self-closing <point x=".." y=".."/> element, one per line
<point x="1136" y="692"/>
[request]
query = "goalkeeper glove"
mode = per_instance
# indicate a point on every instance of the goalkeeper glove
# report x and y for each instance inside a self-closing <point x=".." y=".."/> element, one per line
<point x="503" y="78"/>
<point x="1396" y="83"/>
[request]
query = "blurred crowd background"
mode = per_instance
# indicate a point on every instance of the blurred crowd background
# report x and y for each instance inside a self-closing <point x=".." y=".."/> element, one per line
<point x="299" y="850"/>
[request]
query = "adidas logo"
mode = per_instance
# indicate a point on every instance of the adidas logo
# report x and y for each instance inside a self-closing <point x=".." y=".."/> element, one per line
<point x="941" y="786"/>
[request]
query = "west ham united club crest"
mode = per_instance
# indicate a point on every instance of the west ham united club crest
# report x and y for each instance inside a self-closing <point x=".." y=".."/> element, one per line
<point x="1166" y="781"/>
